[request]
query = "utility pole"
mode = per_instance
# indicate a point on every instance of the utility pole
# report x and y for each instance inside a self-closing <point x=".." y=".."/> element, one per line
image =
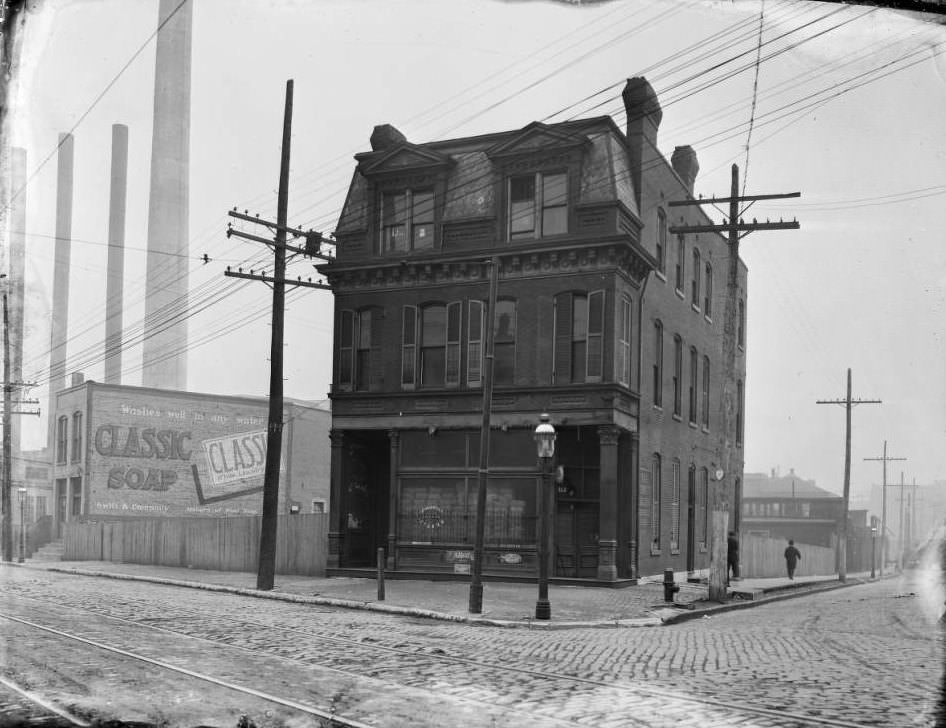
<point x="267" y="551"/>
<point x="476" y="582"/>
<point x="842" y="536"/>
<point x="883" y="510"/>
<point x="6" y="470"/>
<point x="902" y="541"/>
<point x="733" y="227"/>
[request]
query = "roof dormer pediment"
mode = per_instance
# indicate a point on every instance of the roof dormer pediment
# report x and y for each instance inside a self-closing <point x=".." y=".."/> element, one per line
<point x="537" y="137"/>
<point x="403" y="158"/>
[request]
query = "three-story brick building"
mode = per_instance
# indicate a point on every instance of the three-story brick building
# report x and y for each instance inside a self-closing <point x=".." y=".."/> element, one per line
<point x="601" y="321"/>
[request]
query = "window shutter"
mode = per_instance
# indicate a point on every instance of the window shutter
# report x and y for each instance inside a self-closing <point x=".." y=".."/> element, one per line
<point x="409" y="347"/>
<point x="376" y="371"/>
<point x="474" y="352"/>
<point x="346" y="354"/>
<point x="453" y="345"/>
<point x="595" y="336"/>
<point x="561" y="358"/>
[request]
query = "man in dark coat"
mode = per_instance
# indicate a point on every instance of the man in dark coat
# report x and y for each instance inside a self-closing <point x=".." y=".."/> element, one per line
<point x="732" y="556"/>
<point x="792" y="557"/>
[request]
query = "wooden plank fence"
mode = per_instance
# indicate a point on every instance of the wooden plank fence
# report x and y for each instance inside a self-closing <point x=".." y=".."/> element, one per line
<point x="761" y="557"/>
<point x="219" y="544"/>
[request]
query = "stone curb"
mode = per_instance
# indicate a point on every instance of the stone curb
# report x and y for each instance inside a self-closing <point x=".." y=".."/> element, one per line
<point x="372" y="606"/>
<point x="525" y="623"/>
<point x="777" y="595"/>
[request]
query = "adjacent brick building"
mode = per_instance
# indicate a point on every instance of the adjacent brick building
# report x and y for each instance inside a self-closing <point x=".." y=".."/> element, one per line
<point x="602" y="321"/>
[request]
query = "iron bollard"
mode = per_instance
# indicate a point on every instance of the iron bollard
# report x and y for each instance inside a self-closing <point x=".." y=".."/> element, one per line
<point x="380" y="574"/>
<point x="670" y="588"/>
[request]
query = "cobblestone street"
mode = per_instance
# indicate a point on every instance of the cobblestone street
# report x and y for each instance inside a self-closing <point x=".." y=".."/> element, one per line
<point x="865" y="655"/>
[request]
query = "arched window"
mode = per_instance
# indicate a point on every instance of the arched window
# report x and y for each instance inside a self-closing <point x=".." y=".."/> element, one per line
<point x="741" y="329"/>
<point x="661" y="240"/>
<point x="694" y="382"/>
<point x="655" y="501"/>
<point x="708" y="291"/>
<point x="677" y="376"/>
<point x="77" y="437"/>
<point x="62" y="439"/>
<point x="504" y="342"/>
<point x="579" y="337"/>
<point x="681" y="263"/>
<point x="624" y="343"/>
<point x="740" y="396"/>
<point x="706" y="392"/>
<point x="697" y="271"/>
<point x="658" y="363"/>
<point x="675" y="508"/>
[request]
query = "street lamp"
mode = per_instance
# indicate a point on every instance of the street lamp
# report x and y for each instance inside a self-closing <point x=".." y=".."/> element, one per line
<point x="22" y="492"/>
<point x="545" y="448"/>
<point x="873" y="543"/>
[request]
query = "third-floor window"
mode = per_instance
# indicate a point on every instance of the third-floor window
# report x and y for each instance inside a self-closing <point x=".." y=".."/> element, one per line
<point x="538" y="205"/>
<point x="407" y="220"/>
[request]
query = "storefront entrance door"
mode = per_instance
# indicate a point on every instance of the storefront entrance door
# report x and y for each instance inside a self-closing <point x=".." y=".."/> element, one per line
<point x="576" y="540"/>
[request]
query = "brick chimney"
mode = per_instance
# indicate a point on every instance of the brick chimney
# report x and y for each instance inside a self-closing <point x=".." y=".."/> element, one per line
<point x="686" y="166"/>
<point x="386" y="136"/>
<point x="643" y="119"/>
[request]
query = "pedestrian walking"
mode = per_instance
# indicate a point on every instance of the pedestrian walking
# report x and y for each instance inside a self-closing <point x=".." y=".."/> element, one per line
<point x="732" y="557"/>
<point x="792" y="557"/>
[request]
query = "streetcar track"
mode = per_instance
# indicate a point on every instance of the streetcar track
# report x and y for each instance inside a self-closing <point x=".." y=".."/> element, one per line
<point x="435" y="656"/>
<point x="334" y="718"/>
<point x="43" y="703"/>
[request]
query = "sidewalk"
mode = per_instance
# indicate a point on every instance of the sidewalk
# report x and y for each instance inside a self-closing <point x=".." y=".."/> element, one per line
<point x="504" y="604"/>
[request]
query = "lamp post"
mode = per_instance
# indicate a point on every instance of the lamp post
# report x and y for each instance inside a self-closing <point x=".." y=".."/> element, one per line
<point x="545" y="448"/>
<point x="22" y="492"/>
<point x="873" y="543"/>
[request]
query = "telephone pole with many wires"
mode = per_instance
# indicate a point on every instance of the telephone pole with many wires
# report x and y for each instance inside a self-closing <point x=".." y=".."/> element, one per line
<point x="736" y="228"/>
<point x="267" y="552"/>
<point x="842" y="536"/>
<point x="6" y="474"/>
<point x="883" y="509"/>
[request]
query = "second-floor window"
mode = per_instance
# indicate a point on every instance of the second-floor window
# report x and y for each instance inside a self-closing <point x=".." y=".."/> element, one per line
<point x="356" y="337"/>
<point x="697" y="270"/>
<point x="624" y="343"/>
<point x="538" y="205"/>
<point x="694" y="380"/>
<point x="740" y="411"/>
<point x="708" y="292"/>
<point x="430" y="345"/>
<point x="681" y="264"/>
<point x="407" y="220"/>
<point x="661" y="241"/>
<point x="62" y="439"/>
<point x="76" y="437"/>
<point x="504" y="342"/>
<point x="658" y="364"/>
<point x="741" y="324"/>
<point x="579" y="328"/>
<point x="706" y="392"/>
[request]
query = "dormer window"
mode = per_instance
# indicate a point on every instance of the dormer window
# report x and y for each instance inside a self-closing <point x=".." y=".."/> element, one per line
<point x="407" y="220"/>
<point x="538" y="205"/>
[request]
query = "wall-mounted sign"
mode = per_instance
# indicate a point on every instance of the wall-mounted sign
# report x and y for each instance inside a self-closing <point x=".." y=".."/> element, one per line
<point x="461" y="568"/>
<point x="510" y="559"/>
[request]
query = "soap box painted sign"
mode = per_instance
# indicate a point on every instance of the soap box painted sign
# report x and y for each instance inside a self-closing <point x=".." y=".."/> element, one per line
<point x="176" y="455"/>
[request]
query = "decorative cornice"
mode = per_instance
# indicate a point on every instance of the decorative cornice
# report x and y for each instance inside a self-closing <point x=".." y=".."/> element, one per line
<point x="514" y="264"/>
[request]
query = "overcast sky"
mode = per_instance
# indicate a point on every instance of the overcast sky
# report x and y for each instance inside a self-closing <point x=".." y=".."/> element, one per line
<point x="849" y="110"/>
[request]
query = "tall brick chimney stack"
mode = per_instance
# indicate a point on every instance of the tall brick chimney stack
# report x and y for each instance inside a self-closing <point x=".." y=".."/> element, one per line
<point x="686" y="166"/>
<point x="643" y="120"/>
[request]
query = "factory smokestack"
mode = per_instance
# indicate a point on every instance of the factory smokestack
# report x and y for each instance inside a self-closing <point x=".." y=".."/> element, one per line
<point x="114" y="287"/>
<point x="60" y="318"/>
<point x="165" y="343"/>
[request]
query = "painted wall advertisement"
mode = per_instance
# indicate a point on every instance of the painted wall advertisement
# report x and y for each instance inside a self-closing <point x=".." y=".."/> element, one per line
<point x="177" y="456"/>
